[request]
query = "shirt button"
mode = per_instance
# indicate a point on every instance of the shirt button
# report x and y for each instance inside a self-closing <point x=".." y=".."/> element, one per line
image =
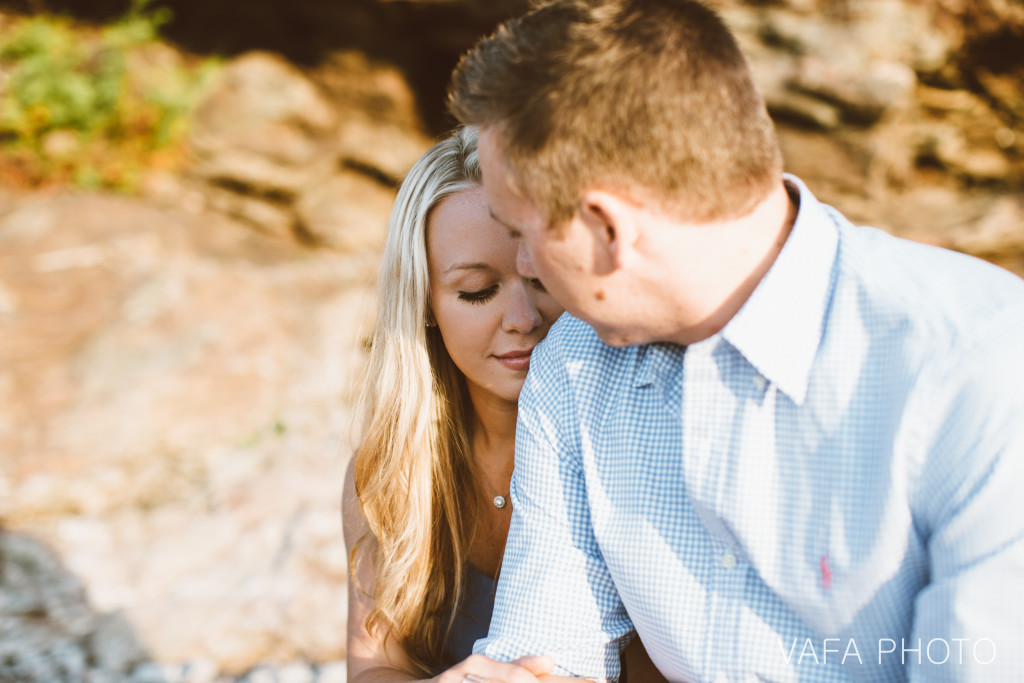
<point x="728" y="560"/>
<point x="721" y="678"/>
<point x="760" y="382"/>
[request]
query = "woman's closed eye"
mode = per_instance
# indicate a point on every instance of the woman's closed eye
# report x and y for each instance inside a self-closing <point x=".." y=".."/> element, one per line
<point x="479" y="296"/>
<point x="537" y="284"/>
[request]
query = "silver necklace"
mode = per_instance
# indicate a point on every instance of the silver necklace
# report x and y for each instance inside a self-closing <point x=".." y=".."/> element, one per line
<point x="499" y="500"/>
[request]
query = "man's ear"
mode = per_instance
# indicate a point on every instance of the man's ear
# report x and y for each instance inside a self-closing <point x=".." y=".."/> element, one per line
<point x="611" y="220"/>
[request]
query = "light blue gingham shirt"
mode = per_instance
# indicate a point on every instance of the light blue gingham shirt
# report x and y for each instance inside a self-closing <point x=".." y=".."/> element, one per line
<point x="829" y="489"/>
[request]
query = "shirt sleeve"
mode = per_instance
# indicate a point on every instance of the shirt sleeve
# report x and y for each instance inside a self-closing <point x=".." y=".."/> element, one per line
<point x="555" y="595"/>
<point x="969" y="620"/>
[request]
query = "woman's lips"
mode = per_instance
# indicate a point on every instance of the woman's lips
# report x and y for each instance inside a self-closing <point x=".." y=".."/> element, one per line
<point x="516" y="360"/>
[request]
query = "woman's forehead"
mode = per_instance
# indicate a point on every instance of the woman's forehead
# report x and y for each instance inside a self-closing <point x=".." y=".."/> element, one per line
<point x="461" y="235"/>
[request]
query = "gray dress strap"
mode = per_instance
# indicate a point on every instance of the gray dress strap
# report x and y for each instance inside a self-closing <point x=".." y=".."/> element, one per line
<point x="472" y="618"/>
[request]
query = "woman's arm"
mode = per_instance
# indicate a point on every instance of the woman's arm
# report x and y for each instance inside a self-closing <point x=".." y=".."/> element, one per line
<point x="370" y="660"/>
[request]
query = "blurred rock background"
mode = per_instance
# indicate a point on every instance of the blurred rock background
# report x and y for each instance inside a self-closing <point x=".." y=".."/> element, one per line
<point x="185" y="285"/>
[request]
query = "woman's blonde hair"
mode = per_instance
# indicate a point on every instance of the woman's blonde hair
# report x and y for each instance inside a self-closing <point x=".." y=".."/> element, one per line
<point x="412" y="470"/>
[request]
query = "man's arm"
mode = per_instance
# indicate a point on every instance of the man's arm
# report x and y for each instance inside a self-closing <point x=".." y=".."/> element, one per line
<point x="555" y="595"/>
<point x="970" y="618"/>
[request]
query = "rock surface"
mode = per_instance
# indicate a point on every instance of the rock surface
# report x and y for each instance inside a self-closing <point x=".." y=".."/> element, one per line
<point x="175" y="391"/>
<point x="301" y="160"/>
<point x="885" y="107"/>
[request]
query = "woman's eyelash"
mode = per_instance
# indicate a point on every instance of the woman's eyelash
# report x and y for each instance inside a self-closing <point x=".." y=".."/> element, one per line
<point x="479" y="296"/>
<point x="537" y="284"/>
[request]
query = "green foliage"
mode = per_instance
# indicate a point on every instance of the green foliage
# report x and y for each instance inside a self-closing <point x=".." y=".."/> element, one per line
<point x="96" y="107"/>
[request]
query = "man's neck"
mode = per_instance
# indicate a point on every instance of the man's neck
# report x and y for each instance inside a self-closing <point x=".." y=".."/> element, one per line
<point x="706" y="304"/>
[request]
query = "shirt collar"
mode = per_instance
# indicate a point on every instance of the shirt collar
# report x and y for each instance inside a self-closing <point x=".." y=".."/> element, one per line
<point x="653" y="361"/>
<point x="779" y="328"/>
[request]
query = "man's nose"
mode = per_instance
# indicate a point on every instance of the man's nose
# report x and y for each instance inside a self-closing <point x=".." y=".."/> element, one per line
<point x="524" y="261"/>
<point x="522" y="314"/>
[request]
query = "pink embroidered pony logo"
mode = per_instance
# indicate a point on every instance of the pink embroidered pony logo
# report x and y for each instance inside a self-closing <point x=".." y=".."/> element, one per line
<point x="826" y="572"/>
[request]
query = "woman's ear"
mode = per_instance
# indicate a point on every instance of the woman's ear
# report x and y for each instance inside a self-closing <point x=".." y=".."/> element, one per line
<point x="611" y="220"/>
<point x="429" y="320"/>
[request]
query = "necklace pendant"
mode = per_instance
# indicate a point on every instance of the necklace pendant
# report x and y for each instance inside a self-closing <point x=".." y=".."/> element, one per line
<point x="499" y="502"/>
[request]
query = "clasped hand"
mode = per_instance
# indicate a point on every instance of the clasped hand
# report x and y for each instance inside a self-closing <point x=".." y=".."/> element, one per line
<point x="481" y="669"/>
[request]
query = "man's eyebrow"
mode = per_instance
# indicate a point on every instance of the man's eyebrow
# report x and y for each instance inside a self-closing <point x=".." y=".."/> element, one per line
<point x="466" y="266"/>
<point x="495" y="217"/>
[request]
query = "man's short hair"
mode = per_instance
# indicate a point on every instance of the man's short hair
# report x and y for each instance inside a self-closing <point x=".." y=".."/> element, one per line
<point x="649" y="97"/>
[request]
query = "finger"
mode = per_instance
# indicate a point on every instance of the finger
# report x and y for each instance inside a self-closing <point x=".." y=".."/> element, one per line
<point x="494" y="671"/>
<point x="459" y="674"/>
<point x="536" y="664"/>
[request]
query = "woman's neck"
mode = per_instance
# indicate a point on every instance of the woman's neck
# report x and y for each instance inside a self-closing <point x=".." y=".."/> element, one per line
<point x="492" y="449"/>
<point x="493" y="436"/>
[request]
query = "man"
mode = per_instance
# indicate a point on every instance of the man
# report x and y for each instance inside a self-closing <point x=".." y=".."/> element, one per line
<point x="774" y="445"/>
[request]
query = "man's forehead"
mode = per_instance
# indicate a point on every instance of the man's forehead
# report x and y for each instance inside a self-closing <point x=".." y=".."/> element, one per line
<point x="506" y="200"/>
<point x="489" y="143"/>
<point x="493" y="158"/>
<point x="495" y="216"/>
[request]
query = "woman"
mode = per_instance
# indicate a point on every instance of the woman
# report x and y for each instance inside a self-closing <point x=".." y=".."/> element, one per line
<point x="426" y="498"/>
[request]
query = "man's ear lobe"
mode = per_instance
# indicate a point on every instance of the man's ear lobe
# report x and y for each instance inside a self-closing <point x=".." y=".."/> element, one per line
<point x="611" y="220"/>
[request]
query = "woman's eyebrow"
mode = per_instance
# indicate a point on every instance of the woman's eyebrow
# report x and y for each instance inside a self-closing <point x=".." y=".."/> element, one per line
<point x="467" y="266"/>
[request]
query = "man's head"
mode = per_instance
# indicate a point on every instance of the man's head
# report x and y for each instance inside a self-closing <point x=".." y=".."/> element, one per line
<point x="651" y="98"/>
<point x="604" y="126"/>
